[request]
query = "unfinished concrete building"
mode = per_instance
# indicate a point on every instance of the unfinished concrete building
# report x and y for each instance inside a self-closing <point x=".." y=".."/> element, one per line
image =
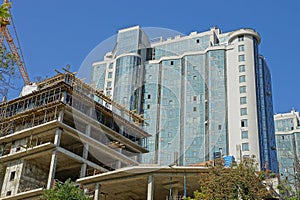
<point x="57" y="131"/>
<point x="150" y="182"/>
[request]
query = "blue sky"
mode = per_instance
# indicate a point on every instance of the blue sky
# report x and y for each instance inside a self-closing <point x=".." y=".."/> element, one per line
<point x="60" y="32"/>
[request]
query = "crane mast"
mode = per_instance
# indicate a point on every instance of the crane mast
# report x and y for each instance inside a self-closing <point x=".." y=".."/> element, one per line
<point x="5" y="34"/>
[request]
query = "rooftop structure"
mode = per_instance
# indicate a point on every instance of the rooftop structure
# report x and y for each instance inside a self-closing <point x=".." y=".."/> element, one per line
<point x="57" y="131"/>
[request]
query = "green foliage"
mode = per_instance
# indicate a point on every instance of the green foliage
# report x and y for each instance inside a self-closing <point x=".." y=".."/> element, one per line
<point x="7" y="63"/>
<point x="64" y="191"/>
<point x="287" y="191"/>
<point x="4" y="13"/>
<point x="237" y="182"/>
<point x="7" y="59"/>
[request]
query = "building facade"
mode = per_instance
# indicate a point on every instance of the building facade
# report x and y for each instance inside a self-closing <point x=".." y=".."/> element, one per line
<point x="202" y="95"/>
<point x="287" y="130"/>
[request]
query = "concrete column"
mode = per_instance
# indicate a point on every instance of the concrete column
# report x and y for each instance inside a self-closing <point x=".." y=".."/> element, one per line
<point x="88" y="130"/>
<point x="170" y="190"/>
<point x="57" y="137"/>
<point x="139" y="157"/>
<point x="52" y="169"/>
<point x="150" y="190"/>
<point x="97" y="191"/>
<point x="63" y="97"/>
<point x="119" y="163"/>
<point x="60" y="116"/>
<point x="53" y="161"/>
<point x="83" y="170"/>
<point x="175" y="193"/>
<point x="84" y="155"/>
<point x="184" y="185"/>
<point x="91" y="111"/>
<point x="85" y="152"/>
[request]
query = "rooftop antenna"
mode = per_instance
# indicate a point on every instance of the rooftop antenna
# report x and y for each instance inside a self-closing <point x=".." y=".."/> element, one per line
<point x="68" y="66"/>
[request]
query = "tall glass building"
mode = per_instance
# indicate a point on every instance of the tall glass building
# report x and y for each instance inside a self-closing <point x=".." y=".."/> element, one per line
<point x="287" y="130"/>
<point x="203" y="95"/>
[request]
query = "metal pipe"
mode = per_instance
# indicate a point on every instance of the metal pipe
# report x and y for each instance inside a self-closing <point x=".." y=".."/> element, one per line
<point x="170" y="194"/>
<point x="184" y="185"/>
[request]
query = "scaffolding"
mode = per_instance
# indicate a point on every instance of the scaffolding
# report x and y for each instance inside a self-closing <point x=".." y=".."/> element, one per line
<point x="42" y="106"/>
<point x="59" y="131"/>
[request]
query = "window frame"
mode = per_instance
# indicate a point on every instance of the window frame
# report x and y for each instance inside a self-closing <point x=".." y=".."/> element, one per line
<point x="245" y="146"/>
<point x="241" y="48"/>
<point x="243" y="89"/>
<point x="244" y="123"/>
<point x="109" y="84"/>
<point x="241" y="58"/>
<point x="109" y="75"/>
<point x="243" y="100"/>
<point x="245" y="134"/>
<point x="242" y="79"/>
<point x="12" y="175"/>
<point x="242" y="68"/>
<point x="243" y="111"/>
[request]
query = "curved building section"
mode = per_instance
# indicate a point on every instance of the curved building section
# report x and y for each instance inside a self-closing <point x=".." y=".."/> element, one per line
<point x="265" y="115"/>
<point x="127" y="80"/>
<point x="242" y="32"/>
<point x="204" y="95"/>
<point x="242" y="104"/>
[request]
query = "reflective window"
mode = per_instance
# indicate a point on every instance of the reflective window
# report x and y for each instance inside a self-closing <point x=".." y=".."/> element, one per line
<point x="241" y="48"/>
<point x="242" y="89"/>
<point x="244" y="134"/>
<point x="243" y="100"/>
<point x="243" y="111"/>
<point x="245" y="146"/>
<point x="109" y="74"/>
<point x="109" y="84"/>
<point x="242" y="79"/>
<point x="241" y="58"/>
<point x="244" y="123"/>
<point x="242" y="68"/>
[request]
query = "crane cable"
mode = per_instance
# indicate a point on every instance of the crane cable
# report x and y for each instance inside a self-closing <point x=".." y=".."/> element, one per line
<point x="18" y="41"/>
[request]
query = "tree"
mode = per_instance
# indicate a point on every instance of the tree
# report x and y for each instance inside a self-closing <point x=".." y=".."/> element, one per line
<point x="232" y="183"/>
<point x="289" y="184"/>
<point x="7" y="63"/>
<point x="64" y="191"/>
<point x="7" y="72"/>
<point x="4" y="12"/>
<point x="7" y="59"/>
<point x="287" y="191"/>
